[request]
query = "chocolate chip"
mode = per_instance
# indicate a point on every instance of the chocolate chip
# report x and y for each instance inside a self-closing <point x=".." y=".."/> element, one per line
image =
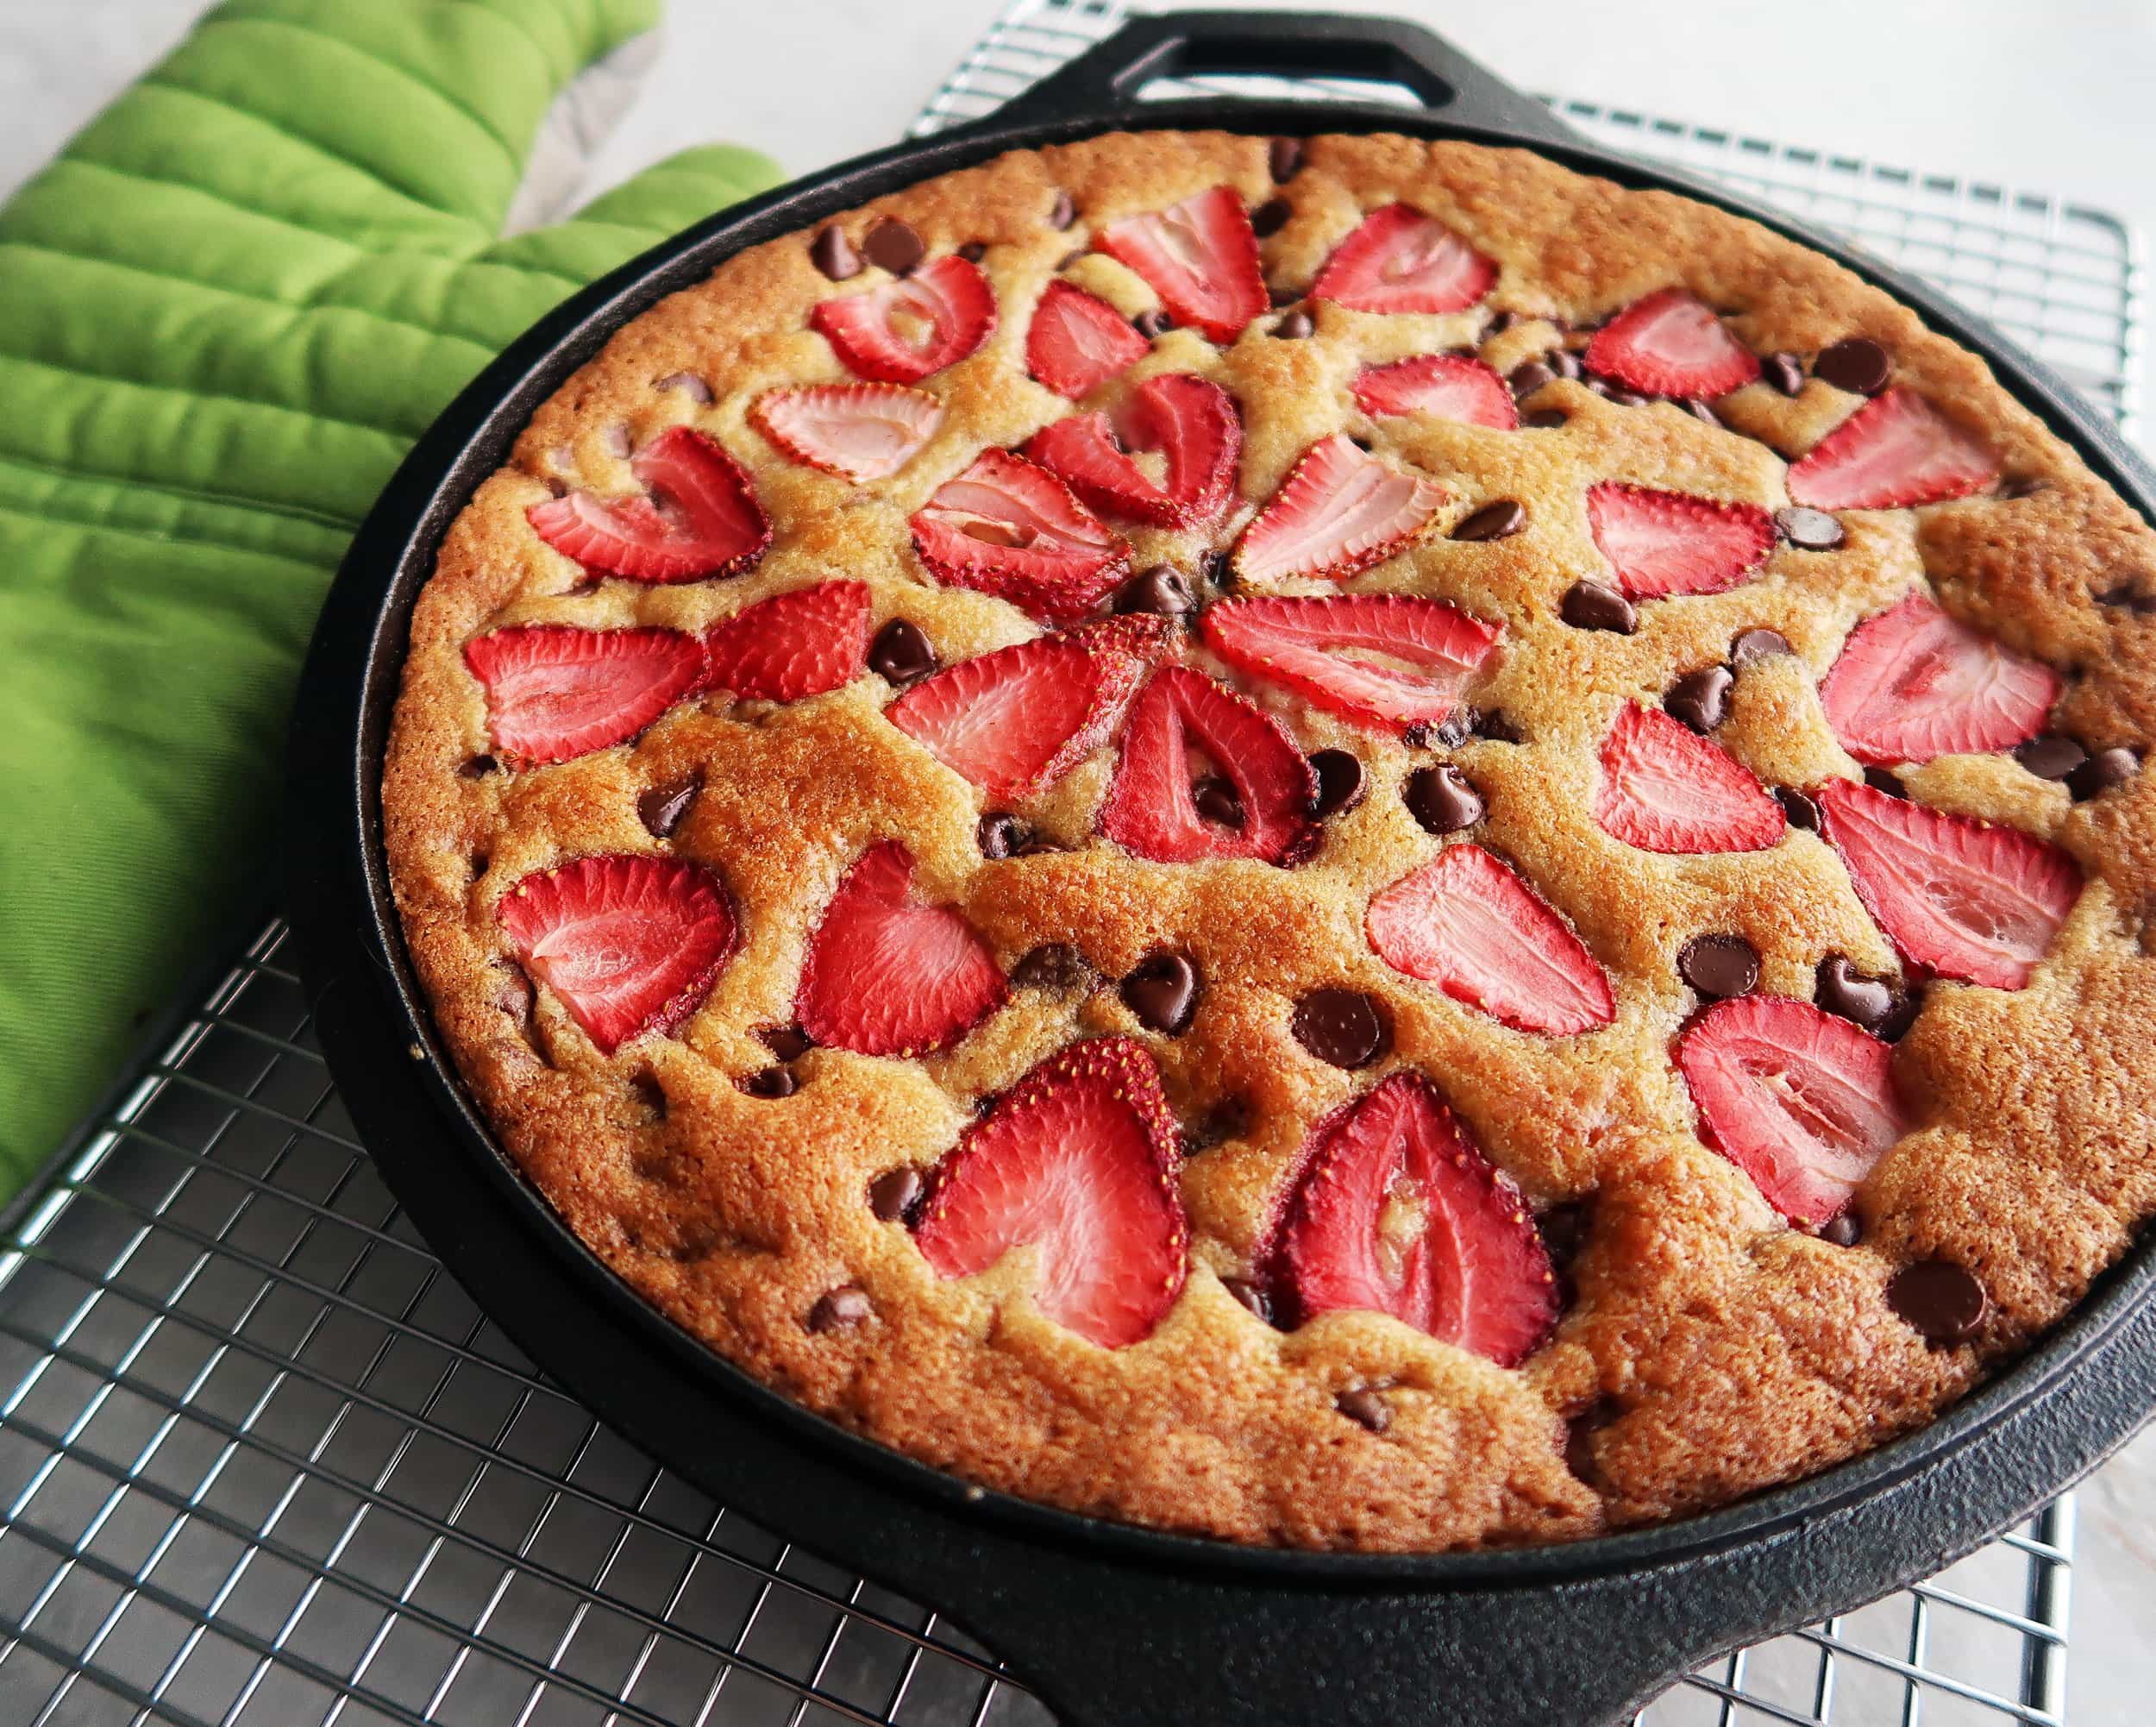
<point x="616" y="442"/>
<point x="999" y="834"/>
<point x="1054" y="965"/>
<point x="893" y="245"/>
<point x="1152" y="326"/>
<point x="1799" y="809"/>
<point x="1342" y="1028"/>
<point x="788" y="1042"/>
<point x="770" y="1083"/>
<point x="1844" y="1231"/>
<point x="1443" y="799"/>
<point x="1808" y="531"/>
<point x="2051" y="756"/>
<point x="973" y="251"/>
<point x="840" y="1311"/>
<point x="1217" y="569"/>
<point x="1497" y="521"/>
<point x="1700" y="410"/>
<point x="1591" y="605"/>
<point x="1295" y="326"/>
<point x="1565" y="364"/>
<point x="1700" y="698"/>
<point x="900" y="653"/>
<point x="1070" y="257"/>
<point x="1163" y="992"/>
<point x="2102" y="771"/>
<point x="1503" y="321"/>
<point x="1280" y="298"/>
<point x="1364" y="1406"/>
<point x="1250" y="1295"/>
<point x="1627" y="399"/>
<point x="1270" y="216"/>
<point x="1856" y="364"/>
<point x="1217" y="801"/>
<point x="1842" y="990"/>
<point x="2021" y="488"/>
<point x="661" y="807"/>
<point x="1543" y="419"/>
<point x="1284" y="158"/>
<point x="1753" y="645"/>
<point x="833" y="254"/>
<point x="1496" y="728"/>
<point x="1720" y="965"/>
<point x="689" y="384"/>
<point x="1564" y="1228"/>
<point x="1882" y="780"/>
<point x="1785" y="371"/>
<point x="894" y="1194"/>
<point x="1062" y="212"/>
<point x="1341" y="785"/>
<point x="1528" y="377"/>
<point x="1161" y="589"/>
<point x="476" y="766"/>
<point x="1941" y="1300"/>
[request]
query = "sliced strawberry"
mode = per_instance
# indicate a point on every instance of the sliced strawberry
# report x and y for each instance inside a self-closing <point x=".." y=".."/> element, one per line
<point x="1670" y="344"/>
<point x="1303" y="644"/>
<point x="554" y="691"/>
<point x="1199" y="257"/>
<point x="1151" y="808"/>
<point x="1897" y="450"/>
<point x="1077" y="340"/>
<point x="1666" y="789"/>
<point x="627" y="945"/>
<point x="902" y="331"/>
<point x="1466" y="922"/>
<point x="858" y="431"/>
<point x="1965" y="898"/>
<point x="1015" y="721"/>
<point x="1451" y="386"/>
<point x="1400" y="260"/>
<point x="1079" y="1160"/>
<point x="1667" y="543"/>
<point x="1800" y="1100"/>
<point x="1341" y="510"/>
<point x="1009" y="527"/>
<point x="1194" y="424"/>
<point x="792" y="645"/>
<point x="701" y="519"/>
<point x="886" y="975"/>
<point x="1913" y="683"/>
<point x="1396" y="1210"/>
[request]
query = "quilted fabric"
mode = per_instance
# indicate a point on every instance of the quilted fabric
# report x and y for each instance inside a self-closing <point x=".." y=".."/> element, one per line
<point x="232" y="302"/>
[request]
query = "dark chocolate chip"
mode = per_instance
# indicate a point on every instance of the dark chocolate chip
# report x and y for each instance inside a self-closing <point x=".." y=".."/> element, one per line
<point x="1250" y="1295"/>
<point x="1700" y="698"/>
<point x="476" y="766"/>
<point x="2021" y="488"/>
<point x="1217" y="801"/>
<point x="1163" y="992"/>
<point x="1443" y="799"/>
<point x="770" y="1083"/>
<point x="1528" y="377"/>
<point x="2102" y="771"/>
<point x="1591" y="605"/>
<point x="1720" y="965"/>
<point x="1700" y="410"/>
<point x="1753" y="645"/>
<point x="1843" y="1231"/>
<point x="893" y="245"/>
<point x="1295" y="326"/>
<point x="1839" y="989"/>
<point x="1941" y="1300"/>
<point x="833" y="254"/>
<point x="1543" y="419"/>
<point x="1497" y="729"/>
<point x="661" y="807"/>
<point x="1062" y="212"/>
<point x="1152" y="326"/>
<point x="1503" y="321"/>
<point x="1341" y="784"/>
<point x="1070" y="257"/>
<point x="999" y="834"/>
<point x="1161" y="589"/>
<point x="1602" y="387"/>
<point x="1342" y="1028"/>
<point x="840" y="1311"/>
<point x="1808" y="529"/>
<point x="894" y="1194"/>
<point x="973" y="251"/>
<point x="900" y="653"/>
<point x="1284" y="158"/>
<point x="1280" y="298"/>
<point x="1799" y="809"/>
<point x="1785" y="371"/>
<point x="1364" y="1407"/>
<point x="1495" y="521"/>
<point x="1564" y="1228"/>
<point x="1883" y="780"/>
<point x="2051" y="756"/>
<point x="1628" y="399"/>
<point x="1270" y="216"/>
<point x="1218" y="569"/>
<point x="1856" y="364"/>
<point x="689" y="384"/>
<point x="1053" y="965"/>
<point x="788" y="1042"/>
<point x="1563" y="364"/>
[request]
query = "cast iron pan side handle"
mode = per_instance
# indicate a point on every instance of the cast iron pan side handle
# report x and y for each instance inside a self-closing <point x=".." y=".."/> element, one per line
<point x="1107" y="78"/>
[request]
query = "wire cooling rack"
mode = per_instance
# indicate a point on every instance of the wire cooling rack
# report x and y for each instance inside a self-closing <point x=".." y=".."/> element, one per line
<point x="263" y="1464"/>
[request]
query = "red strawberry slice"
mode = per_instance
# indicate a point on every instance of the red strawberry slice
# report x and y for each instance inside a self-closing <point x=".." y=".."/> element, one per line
<point x="554" y="691"/>
<point x="1341" y="510"/>
<point x="1008" y="527"/>
<point x="1914" y="683"/>
<point x="1666" y="543"/>
<point x="1200" y="258"/>
<point x="1965" y="898"/>
<point x="792" y="645"/>
<point x="701" y="519"/>
<point x="1666" y="789"/>
<point x="627" y="945"/>
<point x="1670" y="344"/>
<point x="1079" y="1160"/>
<point x="1465" y="922"/>
<point x="1151" y="807"/>
<point x="1077" y="340"/>
<point x="1451" y="386"/>
<point x="1800" y="1100"/>
<point x="1895" y="451"/>
<point x="1304" y="645"/>
<point x="886" y="975"/>
<point x="858" y="431"/>
<point x="1015" y="721"/>
<point x="1400" y="260"/>
<point x="1396" y="1210"/>
<point x="1192" y="423"/>
<point x="904" y="330"/>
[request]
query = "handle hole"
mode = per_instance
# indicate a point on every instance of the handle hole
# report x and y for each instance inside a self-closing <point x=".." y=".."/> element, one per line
<point x="1276" y="87"/>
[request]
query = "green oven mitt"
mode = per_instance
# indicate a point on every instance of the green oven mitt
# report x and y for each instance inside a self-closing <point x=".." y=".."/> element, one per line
<point x="230" y="305"/>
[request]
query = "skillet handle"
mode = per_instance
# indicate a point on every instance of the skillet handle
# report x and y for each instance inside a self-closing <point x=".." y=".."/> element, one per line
<point x="1106" y="79"/>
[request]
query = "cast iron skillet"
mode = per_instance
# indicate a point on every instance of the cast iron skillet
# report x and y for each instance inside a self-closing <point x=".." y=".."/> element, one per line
<point x="1115" y="1625"/>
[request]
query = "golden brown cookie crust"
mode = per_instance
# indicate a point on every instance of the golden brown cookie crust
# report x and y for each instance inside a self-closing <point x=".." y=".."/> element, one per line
<point x="1710" y="1351"/>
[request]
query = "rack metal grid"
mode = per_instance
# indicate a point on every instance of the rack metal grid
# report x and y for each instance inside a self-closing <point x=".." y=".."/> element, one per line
<point x="263" y="1464"/>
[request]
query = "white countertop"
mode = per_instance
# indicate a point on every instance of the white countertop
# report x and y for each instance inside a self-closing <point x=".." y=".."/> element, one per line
<point x="2059" y="98"/>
